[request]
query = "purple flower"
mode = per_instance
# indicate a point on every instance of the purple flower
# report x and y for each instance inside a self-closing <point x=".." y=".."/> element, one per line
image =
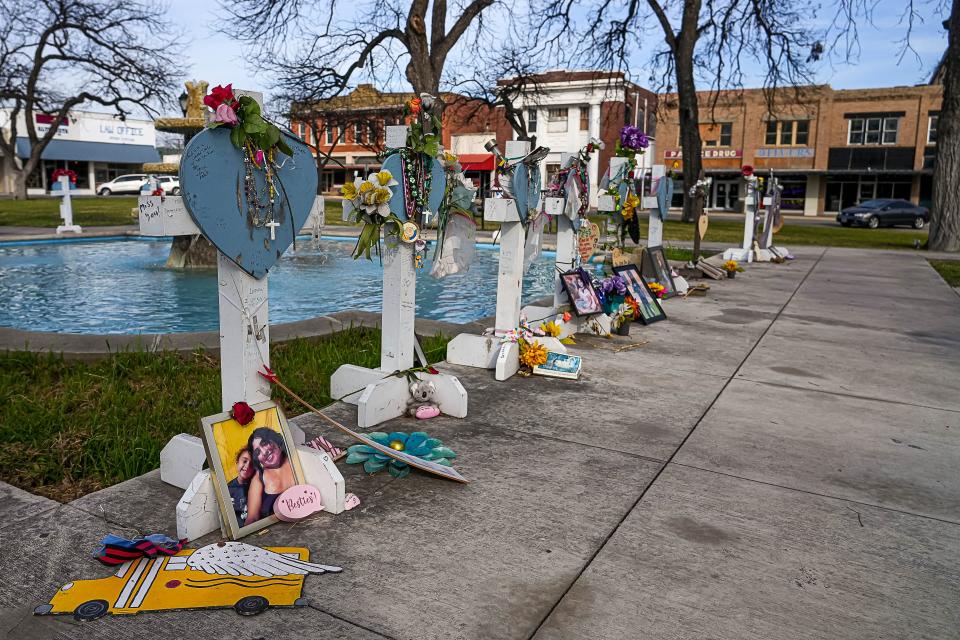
<point x="616" y="285"/>
<point x="633" y="138"/>
<point x="644" y="140"/>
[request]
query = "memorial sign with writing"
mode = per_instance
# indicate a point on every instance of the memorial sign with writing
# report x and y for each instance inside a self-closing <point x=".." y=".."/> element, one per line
<point x="233" y="205"/>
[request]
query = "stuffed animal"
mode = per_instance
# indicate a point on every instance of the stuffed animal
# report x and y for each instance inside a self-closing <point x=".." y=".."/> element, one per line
<point x="422" y="404"/>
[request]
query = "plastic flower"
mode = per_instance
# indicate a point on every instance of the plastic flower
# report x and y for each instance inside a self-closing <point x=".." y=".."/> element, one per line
<point x="614" y="284"/>
<point x="596" y="143"/>
<point x="382" y="195"/>
<point x="731" y="265"/>
<point x="551" y="329"/>
<point x="385" y="178"/>
<point x="630" y="207"/>
<point x="220" y="95"/>
<point x="532" y="354"/>
<point x="633" y="305"/>
<point x="349" y="191"/>
<point x="242" y="413"/>
<point x="366" y="186"/>
<point x="656" y="289"/>
<point x="427" y="100"/>
<point x="226" y="115"/>
<point x="415" y="105"/>
<point x="417" y="444"/>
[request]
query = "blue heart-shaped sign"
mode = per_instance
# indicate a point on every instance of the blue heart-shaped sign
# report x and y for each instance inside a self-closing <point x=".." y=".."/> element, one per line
<point x="212" y="177"/>
<point x="438" y="184"/>
<point x="526" y="189"/>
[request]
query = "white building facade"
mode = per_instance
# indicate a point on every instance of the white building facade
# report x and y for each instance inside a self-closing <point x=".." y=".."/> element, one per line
<point x="98" y="147"/>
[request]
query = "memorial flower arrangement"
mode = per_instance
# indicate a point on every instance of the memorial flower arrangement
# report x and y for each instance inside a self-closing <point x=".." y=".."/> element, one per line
<point x="700" y="187"/>
<point x="370" y="199"/>
<point x="551" y="329"/>
<point x="621" y="317"/>
<point x="249" y="129"/>
<point x="629" y="208"/>
<point x="70" y="173"/>
<point x="417" y="444"/>
<point x="731" y="267"/>
<point x="657" y="289"/>
<point x="532" y="354"/>
<point x="632" y="142"/>
<point x="612" y="290"/>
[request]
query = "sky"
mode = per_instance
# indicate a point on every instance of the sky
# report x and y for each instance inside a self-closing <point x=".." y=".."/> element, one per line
<point x="216" y="58"/>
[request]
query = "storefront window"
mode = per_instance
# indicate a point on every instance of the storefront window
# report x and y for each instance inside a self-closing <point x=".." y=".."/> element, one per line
<point x="850" y="191"/>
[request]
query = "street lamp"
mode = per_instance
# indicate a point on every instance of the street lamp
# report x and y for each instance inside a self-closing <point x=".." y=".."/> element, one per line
<point x="184" y="98"/>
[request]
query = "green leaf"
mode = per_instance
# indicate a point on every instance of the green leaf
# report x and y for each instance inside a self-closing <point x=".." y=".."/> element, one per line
<point x="214" y="125"/>
<point x="271" y="136"/>
<point x="284" y="147"/>
<point x="238" y="136"/>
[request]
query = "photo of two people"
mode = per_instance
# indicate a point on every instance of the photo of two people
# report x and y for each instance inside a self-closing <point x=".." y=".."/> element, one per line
<point x="252" y="465"/>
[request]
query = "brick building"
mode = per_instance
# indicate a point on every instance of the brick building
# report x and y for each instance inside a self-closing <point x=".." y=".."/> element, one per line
<point x="830" y="148"/>
<point x="570" y="107"/>
<point x="351" y="129"/>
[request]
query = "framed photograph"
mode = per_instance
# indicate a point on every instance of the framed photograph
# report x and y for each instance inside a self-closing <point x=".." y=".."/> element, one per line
<point x="252" y="465"/>
<point x="650" y="309"/>
<point x="583" y="298"/>
<point x="656" y="267"/>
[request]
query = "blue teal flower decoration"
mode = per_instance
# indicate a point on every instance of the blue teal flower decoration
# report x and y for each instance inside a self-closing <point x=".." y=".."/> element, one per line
<point x="417" y="444"/>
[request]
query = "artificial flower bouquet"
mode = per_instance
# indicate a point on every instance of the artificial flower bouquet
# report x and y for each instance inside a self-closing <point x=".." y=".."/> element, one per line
<point x="248" y="128"/>
<point x="731" y="267"/>
<point x="657" y="289"/>
<point x="370" y="199"/>
<point x="620" y="319"/>
<point x="612" y="292"/>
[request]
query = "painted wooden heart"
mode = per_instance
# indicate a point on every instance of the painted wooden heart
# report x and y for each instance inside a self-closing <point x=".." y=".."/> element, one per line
<point x="298" y="502"/>
<point x="213" y="179"/>
<point x="587" y="239"/>
<point x="438" y="182"/>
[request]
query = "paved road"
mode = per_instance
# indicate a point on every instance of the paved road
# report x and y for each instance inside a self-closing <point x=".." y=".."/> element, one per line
<point x="779" y="462"/>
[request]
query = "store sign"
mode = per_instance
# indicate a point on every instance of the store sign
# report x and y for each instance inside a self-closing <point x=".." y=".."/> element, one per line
<point x="96" y="127"/>
<point x="706" y="154"/>
<point x="803" y="152"/>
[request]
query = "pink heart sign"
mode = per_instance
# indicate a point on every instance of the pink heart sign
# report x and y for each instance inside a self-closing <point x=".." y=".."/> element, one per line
<point x="298" y="502"/>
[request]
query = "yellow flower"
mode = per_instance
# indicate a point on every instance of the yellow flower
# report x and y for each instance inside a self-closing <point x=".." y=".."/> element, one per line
<point x="384" y="177"/>
<point x="551" y="329"/>
<point x="449" y="157"/>
<point x="731" y="265"/>
<point x="349" y="191"/>
<point x="366" y="186"/>
<point x="629" y="208"/>
<point x="655" y="287"/>
<point x="382" y="195"/>
<point x="532" y="354"/>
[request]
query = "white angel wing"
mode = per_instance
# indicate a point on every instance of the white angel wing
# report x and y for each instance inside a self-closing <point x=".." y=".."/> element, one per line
<point x="241" y="559"/>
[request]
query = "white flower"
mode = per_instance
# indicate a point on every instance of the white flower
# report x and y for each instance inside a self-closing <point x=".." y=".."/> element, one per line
<point x="427" y="100"/>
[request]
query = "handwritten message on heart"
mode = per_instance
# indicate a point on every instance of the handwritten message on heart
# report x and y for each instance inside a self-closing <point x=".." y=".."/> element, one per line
<point x="587" y="239"/>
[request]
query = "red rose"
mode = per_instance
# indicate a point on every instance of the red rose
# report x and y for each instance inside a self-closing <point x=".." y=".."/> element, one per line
<point x="747" y="170"/>
<point x="242" y="412"/>
<point x="220" y="95"/>
<point x="432" y="370"/>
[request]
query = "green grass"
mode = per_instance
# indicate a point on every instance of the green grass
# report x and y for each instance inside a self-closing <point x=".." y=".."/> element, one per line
<point x="949" y="270"/>
<point x="92" y="211"/>
<point x="69" y="428"/>
<point x="731" y="232"/>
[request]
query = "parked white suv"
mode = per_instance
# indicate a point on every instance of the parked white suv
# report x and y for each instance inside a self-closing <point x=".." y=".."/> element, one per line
<point x="130" y="183"/>
<point x="169" y="184"/>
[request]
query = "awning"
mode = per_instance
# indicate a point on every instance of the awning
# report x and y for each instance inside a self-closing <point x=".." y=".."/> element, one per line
<point x="95" y="151"/>
<point x="476" y="161"/>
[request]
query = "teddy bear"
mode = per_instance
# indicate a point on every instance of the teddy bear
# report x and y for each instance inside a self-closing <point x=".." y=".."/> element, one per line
<point x="422" y="404"/>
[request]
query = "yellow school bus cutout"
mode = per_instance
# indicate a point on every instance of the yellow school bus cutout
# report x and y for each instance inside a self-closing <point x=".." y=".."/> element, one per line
<point x="226" y="574"/>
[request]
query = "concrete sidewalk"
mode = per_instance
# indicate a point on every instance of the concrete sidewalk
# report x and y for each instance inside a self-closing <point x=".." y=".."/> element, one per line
<point x="779" y="462"/>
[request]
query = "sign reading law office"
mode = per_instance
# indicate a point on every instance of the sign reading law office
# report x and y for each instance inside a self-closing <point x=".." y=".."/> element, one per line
<point x="705" y="153"/>
<point x="89" y="126"/>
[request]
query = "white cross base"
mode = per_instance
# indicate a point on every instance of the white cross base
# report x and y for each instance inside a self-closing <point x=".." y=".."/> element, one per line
<point x="66" y="208"/>
<point x="378" y="394"/>
<point x="244" y="350"/>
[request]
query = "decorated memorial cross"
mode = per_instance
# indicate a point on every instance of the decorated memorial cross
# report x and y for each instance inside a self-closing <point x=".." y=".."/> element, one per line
<point x="394" y="202"/>
<point x="238" y="176"/>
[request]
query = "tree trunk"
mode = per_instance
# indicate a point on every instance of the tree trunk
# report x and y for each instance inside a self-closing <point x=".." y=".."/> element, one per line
<point x="690" y="143"/>
<point x="945" y="213"/>
<point x="19" y="184"/>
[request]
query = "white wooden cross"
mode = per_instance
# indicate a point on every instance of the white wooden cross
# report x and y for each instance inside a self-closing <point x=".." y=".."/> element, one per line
<point x="378" y="394"/>
<point x="489" y="351"/>
<point x="244" y="350"/>
<point x="66" y="207"/>
<point x="751" y="210"/>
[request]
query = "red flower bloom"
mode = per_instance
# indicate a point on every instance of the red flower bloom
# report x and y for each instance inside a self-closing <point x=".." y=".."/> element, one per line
<point x="220" y="95"/>
<point x="747" y="170"/>
<point x="415" y="106"/>
<point x="432" y="370"/>
<point x="242" y="412"/>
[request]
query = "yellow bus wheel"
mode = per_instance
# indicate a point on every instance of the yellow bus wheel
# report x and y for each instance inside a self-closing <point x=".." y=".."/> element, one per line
<point x="251" y="605"/>
<point x="91" y="610"/>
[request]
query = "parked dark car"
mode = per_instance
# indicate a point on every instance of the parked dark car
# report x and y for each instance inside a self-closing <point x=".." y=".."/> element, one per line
<point x="884" y="213"/>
